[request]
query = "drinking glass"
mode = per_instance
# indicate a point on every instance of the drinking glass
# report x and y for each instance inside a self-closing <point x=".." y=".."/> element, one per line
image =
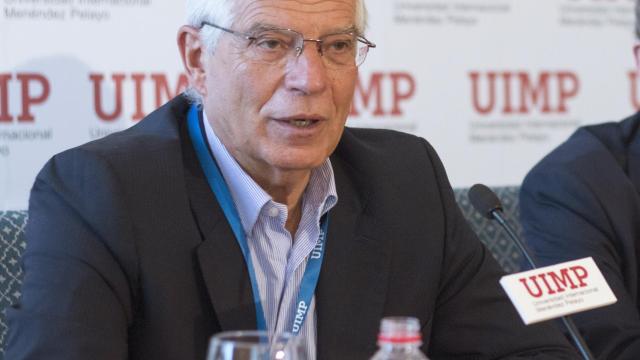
<point x="255" y="345"/>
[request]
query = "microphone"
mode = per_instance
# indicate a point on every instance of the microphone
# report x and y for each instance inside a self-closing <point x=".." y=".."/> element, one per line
<point x="486" y="202"/>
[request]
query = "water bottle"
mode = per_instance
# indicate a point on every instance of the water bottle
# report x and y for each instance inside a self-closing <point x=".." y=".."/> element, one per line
<point x="399" y="339"/>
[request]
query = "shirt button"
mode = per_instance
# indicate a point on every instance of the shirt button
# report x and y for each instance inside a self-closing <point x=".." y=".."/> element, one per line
<point x="273" y="212"/>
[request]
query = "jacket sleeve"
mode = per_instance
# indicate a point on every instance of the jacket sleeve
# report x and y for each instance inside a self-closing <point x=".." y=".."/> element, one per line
<point x="569" y="213"/>
<point x="473" y="318"/>
<point x="76" y="298"/>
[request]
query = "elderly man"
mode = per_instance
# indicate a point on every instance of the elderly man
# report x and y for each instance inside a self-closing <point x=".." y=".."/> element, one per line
<point x="252" y="206"/>
<point x="583" y="200"/>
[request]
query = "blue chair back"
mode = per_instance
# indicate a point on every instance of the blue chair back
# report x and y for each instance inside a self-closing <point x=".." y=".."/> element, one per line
<point x="12" y="245"/>
<point x="489" y="231"/>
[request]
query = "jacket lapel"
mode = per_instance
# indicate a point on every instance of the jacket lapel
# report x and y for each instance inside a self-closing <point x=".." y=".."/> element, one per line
<point x="351" y="291"/>
<point x="630" y="128"/>
<point x="219" y="256"/>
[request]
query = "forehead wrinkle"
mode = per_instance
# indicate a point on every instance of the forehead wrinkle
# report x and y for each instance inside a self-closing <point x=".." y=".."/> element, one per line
<point x="259" y="13"/>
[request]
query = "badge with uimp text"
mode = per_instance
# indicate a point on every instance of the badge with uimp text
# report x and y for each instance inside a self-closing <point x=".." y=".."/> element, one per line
<point x="557" y="290"/>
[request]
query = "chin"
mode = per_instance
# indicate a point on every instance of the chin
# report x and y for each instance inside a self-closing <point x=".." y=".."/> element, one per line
<point x="299" y="161"/>
<point x="299" y="165"/>
<point x="287" y="156"/>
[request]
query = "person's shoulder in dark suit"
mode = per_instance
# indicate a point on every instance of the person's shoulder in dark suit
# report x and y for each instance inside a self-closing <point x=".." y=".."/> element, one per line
<point x="582" y="200"/>
<point x="82" y="288"/>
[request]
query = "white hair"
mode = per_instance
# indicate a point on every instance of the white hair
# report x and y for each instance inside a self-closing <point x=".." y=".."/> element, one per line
<point x="220" y="13"/>
<point x="213" y="11"/>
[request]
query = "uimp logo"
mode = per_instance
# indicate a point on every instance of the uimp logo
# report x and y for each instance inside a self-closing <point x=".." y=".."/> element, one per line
<point x="136" y="81"/>
<point x="521" y="92"/>
<point x="557" y="290"/>
<point x="34" y="90"/>
<point x="555" y="281"/>
<point x="382" y="94"/>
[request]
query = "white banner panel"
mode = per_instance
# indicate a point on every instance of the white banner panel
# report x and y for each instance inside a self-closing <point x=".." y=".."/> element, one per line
<point x="492" y="84"/>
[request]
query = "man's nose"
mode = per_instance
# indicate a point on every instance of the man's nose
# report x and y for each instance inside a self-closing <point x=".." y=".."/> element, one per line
<point x="307" y="72"/>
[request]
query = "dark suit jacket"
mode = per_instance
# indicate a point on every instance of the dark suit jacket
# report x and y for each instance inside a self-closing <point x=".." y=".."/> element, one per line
<point x="583" y="200"/>
<point x="129" y="254"/>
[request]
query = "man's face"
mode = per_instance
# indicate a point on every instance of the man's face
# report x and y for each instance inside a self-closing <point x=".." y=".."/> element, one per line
<point x="253" y="106"/>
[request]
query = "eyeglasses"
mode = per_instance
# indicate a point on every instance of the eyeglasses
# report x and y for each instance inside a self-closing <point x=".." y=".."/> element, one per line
<point x="275" y="46"/>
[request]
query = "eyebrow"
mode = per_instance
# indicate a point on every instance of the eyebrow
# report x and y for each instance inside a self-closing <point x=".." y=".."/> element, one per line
<point x="257" y="28"/>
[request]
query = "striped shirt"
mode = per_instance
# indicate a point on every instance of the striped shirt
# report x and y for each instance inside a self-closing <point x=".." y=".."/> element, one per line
<point x="279" y="260"/>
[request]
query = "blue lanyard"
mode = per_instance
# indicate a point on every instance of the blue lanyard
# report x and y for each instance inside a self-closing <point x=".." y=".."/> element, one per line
<point x="222" y="193"/>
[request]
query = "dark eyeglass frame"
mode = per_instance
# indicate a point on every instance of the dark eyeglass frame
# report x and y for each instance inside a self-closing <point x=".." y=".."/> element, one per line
<point x="299" y="49"/>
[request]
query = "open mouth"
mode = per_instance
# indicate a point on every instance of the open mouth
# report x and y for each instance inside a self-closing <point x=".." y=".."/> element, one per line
<point x="302" y="123"/>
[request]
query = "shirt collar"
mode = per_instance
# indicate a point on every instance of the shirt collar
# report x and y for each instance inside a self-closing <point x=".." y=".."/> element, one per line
<point x="249" y="198"/>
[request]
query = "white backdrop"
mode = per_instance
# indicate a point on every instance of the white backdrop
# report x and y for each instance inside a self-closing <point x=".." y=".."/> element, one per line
<point x="492" y="84"/>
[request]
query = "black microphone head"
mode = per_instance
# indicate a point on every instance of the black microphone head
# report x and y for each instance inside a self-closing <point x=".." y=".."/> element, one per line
<point x="484" y="200"/>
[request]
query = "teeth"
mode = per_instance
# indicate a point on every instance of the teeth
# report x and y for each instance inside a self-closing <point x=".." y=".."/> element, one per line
<point x="300" y="122"/>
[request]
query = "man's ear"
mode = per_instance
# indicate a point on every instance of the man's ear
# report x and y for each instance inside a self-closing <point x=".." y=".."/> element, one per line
<point x="192" y="51"/>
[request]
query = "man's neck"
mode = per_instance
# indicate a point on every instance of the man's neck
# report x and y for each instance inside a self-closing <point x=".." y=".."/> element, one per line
<point x="285" y="186"/>
<point x="286" y="189"/>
